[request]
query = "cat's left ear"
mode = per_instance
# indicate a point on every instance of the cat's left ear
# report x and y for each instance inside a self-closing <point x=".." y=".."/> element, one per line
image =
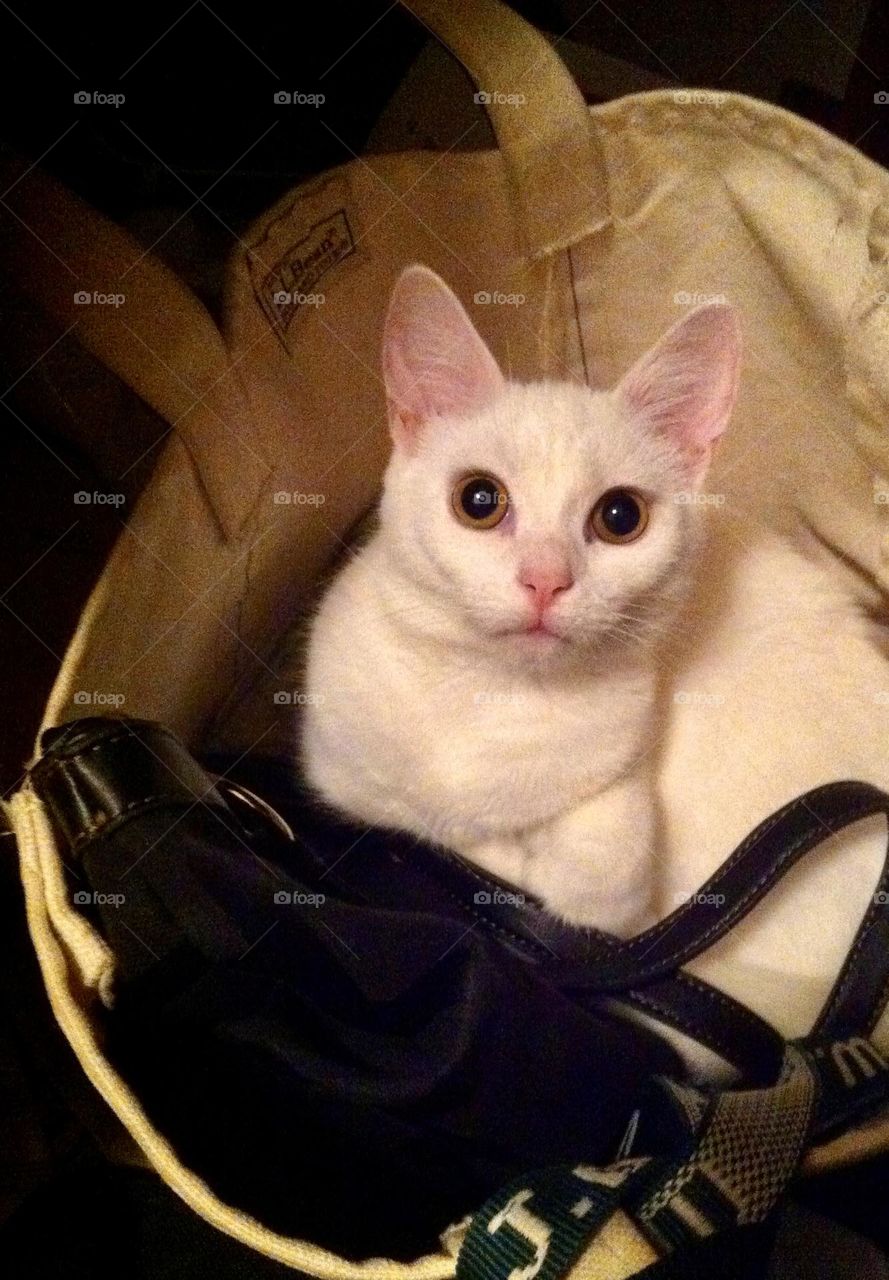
<point x="435" y="364"/>
<point x="685" y="386"/>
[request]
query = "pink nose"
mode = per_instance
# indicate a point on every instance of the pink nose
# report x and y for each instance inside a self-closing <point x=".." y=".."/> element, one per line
<point x="544" y="579"/>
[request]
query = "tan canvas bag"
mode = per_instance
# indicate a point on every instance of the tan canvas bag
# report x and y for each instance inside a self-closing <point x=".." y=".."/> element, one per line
<point x="574" y="244"/>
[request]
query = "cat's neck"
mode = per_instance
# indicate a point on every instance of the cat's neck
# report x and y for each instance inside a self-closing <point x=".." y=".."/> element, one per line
<point x="415" y="616"/>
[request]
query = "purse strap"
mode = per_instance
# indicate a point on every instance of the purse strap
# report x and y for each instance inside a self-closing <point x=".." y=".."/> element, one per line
<point x="99" y="772"/>
<point x="553" y="160"/>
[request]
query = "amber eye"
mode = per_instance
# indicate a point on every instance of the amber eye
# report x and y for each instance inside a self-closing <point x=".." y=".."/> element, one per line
<point x="620" y="515"/>
<point x="479" y="501"/>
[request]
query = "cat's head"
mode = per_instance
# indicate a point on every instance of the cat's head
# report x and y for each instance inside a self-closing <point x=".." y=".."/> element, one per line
<point x="543" y="518"/>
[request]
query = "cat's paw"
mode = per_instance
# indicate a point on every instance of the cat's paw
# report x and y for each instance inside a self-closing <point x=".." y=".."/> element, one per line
<point x="595" y="865"/>
<point x="503" y="857"/>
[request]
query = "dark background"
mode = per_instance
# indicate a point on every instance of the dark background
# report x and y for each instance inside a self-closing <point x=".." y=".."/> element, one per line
<point x="197" y="150"/>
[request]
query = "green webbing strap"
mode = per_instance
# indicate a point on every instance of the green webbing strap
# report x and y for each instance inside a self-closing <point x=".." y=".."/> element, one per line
<point x="735" y="1152"/>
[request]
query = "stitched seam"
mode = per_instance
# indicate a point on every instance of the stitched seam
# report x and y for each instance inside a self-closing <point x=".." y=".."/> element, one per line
<point x="669" y="1015"/>
<point x="745" y="903"/>
<point x="531" y="947"/>
<point x="87" y="833"/>
<point x="733" y="1007"/>
<point x="59" y="764"/>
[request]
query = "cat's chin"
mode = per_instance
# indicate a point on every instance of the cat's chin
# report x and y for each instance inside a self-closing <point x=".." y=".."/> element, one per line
<point x="537" y="648"/>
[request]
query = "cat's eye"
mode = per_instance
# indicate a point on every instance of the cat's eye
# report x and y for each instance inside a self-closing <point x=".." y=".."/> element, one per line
<point x="620" y="515"/>
<point x="479" y="501"/>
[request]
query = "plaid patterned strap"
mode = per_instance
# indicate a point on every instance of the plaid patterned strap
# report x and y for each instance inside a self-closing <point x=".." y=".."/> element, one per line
<point x="735" y="1152"/>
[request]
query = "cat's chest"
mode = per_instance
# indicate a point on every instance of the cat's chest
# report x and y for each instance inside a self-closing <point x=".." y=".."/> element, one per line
<point x="487" y="738"/>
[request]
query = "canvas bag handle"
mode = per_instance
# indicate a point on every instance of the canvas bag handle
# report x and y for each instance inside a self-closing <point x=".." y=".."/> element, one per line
<point x="161" y="341"/>
<point x="554" y="163"/>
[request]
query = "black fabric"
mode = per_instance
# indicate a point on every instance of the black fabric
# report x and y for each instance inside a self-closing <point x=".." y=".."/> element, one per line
<point x="362" y="1076"/>
<point x="336" y="1031"/>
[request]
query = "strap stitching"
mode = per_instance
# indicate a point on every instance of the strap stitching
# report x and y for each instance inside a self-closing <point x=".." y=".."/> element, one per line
<point x="748" y="900"/>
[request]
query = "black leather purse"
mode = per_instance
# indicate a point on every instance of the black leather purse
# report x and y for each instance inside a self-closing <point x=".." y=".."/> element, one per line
<point x="359" y="1039"/>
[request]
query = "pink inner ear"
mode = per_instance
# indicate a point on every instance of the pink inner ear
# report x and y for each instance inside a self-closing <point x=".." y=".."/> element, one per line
<point x="685" y="387"/>
<point x="435" y="364"/>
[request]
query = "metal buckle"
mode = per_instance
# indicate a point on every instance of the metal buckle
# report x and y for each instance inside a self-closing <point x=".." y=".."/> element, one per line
<point x="256" y="806"/>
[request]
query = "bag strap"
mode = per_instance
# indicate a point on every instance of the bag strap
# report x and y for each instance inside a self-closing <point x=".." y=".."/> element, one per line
<point x="160" y="340"/>
<point x="554" y="163"/>
<point x="698" y="1200"/>
<point x="720" y="1162"/>
<point x="594" y="960"/>
<point x="646" y="973"/>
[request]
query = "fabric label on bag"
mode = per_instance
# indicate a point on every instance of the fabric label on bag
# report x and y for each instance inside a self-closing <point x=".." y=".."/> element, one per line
<point x="288" y="267"/>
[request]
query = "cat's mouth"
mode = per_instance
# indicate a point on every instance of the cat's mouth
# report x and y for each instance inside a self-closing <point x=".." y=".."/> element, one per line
<point x="538" y="632"/>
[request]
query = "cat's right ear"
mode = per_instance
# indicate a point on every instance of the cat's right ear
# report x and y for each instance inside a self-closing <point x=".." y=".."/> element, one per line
<point x="435" y="364"/>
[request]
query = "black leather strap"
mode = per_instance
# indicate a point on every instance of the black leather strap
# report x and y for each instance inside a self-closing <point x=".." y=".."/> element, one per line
<point x="599" y="962"/>
<point x="98" y="771"/>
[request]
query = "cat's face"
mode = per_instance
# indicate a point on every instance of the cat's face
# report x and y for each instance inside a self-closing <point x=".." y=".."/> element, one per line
<point x="544" y="518"/>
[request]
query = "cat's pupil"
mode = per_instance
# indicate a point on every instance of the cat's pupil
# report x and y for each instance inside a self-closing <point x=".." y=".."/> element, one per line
<point x="621" y="514"/>
<point x="480" y="498"/>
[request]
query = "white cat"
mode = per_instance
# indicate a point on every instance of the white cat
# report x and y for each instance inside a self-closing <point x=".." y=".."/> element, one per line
<point x="483" y="672"/>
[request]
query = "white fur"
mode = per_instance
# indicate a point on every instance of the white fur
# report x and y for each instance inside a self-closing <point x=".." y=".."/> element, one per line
<point x="525" y="753"/>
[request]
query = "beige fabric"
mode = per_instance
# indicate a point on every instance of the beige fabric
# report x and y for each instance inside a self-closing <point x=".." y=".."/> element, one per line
<point x="781" y="667"/>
